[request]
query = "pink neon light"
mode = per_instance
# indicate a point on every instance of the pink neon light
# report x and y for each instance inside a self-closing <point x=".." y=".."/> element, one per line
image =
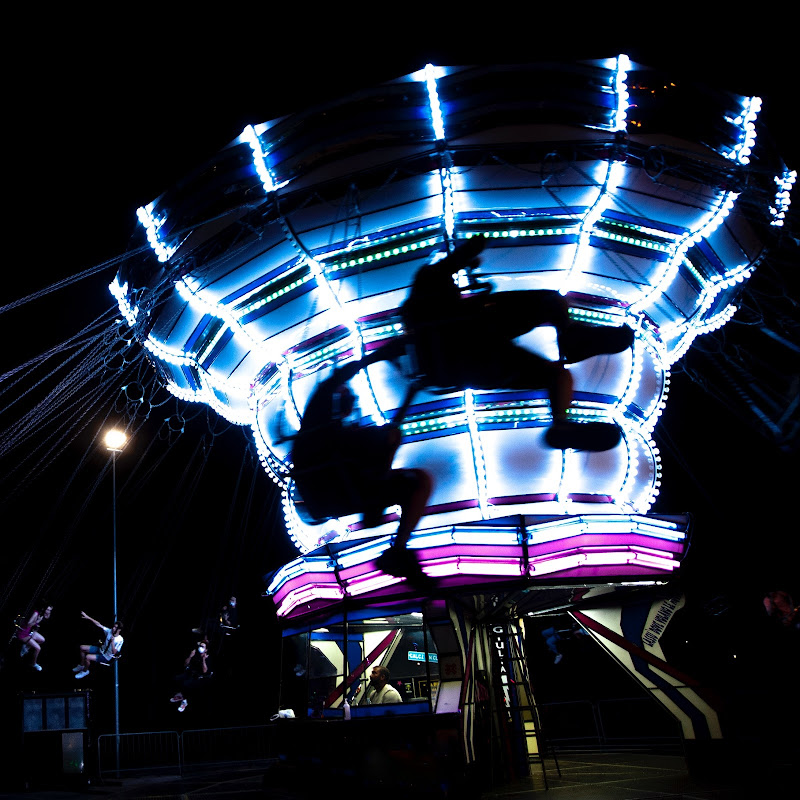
<point x="591" y="498"/>
<point x="586" y="549"/>
<point x="308" y="595"/>
<point x="487" y="551"/>
<point x="651" y="551"/>
<point x="590" y="559"/>
<point x="472" y="566"/>
<point x="357" y="571"/>
<point x="459" y="570"/>
<point x="522" y="499"/>
<point x="606" y="540"/>
<point x="443" y="508"/>
<point x="580" y="555"/>
<point x="373" y="581"/>
<point x="298" y="582"/>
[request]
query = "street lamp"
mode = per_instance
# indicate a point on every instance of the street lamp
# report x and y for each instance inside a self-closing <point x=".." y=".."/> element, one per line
<point x="115" y="441"/>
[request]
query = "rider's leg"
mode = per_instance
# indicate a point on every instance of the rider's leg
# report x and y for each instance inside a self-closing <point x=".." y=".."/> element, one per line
<point x="560" y="392"/>
<point x="414" y="486"/>
<point x="511" y="314"/>
<point x="412" y="508"/>
<point x="35" y="646"/>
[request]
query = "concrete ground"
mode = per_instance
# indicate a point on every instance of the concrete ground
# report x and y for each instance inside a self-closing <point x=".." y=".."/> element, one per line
<point x="591" y="776"/>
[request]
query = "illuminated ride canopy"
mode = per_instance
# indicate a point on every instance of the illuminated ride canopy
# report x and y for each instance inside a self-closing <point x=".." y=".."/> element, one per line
<point x="643" y="201"/>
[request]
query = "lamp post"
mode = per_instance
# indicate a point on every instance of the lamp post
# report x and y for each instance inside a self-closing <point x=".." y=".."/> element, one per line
<point x="115" y="440"/>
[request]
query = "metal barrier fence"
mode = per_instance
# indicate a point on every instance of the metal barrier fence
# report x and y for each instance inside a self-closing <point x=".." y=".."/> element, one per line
<point x="173" y="752"/>
<point x="623" y="722"/>
<point x="149" y="751"/>
<point x="227" y="745"/>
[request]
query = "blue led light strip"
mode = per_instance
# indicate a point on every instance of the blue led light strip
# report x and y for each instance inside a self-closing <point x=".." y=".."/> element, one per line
<point x="615" y="171"/>
<point x="445" y="172"/>
<point x="783" y="196"/>
<point x="433" y="100"/>
<point x="361" y="385"/>
<point x="713" y="219"/>
<point x="120" y="293"/>
<point x="363" y="390"/>
<point x="621" y="91"/>
<point x="746" y="122"/>
<point x="478" y="460"/>
<point x="259" y="158"/>
<point x="152" y="224"/>
<point x="190" y="289"/>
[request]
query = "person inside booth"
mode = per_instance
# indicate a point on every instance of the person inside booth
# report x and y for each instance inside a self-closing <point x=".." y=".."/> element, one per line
<point x="380" y="691"/>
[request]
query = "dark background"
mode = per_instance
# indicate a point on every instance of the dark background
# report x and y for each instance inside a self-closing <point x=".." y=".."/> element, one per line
<point x="103" y="116"/>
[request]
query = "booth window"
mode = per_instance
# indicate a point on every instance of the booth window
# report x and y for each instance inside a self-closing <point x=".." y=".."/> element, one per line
<point x="323" y="665"/>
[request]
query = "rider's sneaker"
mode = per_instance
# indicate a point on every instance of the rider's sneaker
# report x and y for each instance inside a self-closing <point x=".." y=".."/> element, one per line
<point x="396" y="561"/>
<point x="588" y="436"/>
<point x="403" y="563"/>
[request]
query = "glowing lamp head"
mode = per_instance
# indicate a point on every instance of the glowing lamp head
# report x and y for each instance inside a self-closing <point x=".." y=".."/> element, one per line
<point x="115" y="440"/>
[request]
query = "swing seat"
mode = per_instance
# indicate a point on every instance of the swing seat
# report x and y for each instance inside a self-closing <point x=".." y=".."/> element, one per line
<point x="113" y="658"/>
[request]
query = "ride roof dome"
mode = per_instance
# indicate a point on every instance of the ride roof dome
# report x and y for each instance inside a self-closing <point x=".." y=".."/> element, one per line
<point x="646" y="202"/>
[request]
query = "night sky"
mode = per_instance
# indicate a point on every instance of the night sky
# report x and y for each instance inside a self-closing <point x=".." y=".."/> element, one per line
<point x="118" y="115"/>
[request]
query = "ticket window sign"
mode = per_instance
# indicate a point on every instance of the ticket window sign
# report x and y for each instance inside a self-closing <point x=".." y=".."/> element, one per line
<point x="416" y="656"/>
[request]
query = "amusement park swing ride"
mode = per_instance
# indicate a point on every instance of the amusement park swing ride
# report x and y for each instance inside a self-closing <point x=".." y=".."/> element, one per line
<point x="643" y="202"/>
